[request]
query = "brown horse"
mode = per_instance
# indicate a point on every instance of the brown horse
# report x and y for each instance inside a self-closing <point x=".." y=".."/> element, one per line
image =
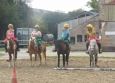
<point x="62" y="49"/>
<point x="33" y="49"/>
<point x="11" y="48"/>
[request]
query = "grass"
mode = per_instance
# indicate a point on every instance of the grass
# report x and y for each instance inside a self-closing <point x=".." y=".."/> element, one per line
<point x="1" y="54"/>
<point x="2" y="49"/>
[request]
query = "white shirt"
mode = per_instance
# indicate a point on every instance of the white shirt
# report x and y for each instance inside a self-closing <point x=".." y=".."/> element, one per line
<point x="36" y="34"/>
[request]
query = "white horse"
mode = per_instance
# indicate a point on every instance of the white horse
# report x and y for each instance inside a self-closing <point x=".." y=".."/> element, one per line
<point x="93" y="52"/>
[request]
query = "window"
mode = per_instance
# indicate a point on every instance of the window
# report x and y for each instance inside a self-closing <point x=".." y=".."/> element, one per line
<point x="85" y="38"/>
<point x="79" y="38"/>
<point x="72" y="39"/>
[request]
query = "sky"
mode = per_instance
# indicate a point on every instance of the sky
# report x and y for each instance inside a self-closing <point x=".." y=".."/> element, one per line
<point x="60" y="5"/>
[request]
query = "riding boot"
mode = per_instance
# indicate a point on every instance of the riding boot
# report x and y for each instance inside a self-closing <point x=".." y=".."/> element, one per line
<point x="87" y="43"/>
<point x="39" y="47"/>
<point x="5" y="48"/>
<point x="100" y="49"/>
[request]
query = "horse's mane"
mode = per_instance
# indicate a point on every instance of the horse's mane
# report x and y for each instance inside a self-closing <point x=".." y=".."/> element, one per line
<point x="93" y="42"/>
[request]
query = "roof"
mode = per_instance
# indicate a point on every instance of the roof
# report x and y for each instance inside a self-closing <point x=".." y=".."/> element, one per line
<point x="84" y="12"/>
<point x="111" y="3"/>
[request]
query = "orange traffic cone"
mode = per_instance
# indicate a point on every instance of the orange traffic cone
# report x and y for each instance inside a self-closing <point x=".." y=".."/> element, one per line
<point x="14" y="78"/>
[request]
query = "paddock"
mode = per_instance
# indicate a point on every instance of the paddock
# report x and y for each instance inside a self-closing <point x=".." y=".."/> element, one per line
<point x="47" y="74"/>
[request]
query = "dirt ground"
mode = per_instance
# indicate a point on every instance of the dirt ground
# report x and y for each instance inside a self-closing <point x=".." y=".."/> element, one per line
<point x="46" y="73"/>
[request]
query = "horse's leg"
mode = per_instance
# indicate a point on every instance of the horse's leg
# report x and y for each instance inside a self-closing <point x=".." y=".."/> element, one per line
<point x="67" y="58"/>
<point x="10" y="59"/>
<point x="35" y="59"/>
<point x="63" y="60"/>
<point x="58" y="60"/>
<point x="40" y="57"/>
<point x="44" y="54"/>
<point x="93" y="60"/>
<point x="30" y="59"/>
<point x="90" y="60"/>
<point x="96" y="58"/>
<point x="16" y="58"/>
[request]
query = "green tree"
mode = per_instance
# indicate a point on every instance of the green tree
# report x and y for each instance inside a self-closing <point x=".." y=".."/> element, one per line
<point x="94" y="4"/>
<point x="75" y="12"/>
<point x="15" y="12"/>
<point x="50" y="20"/>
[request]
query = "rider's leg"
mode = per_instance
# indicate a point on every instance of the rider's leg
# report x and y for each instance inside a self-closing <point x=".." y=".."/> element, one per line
<point x="17" y="45"/>
<point x="39" y="47"/>
<point x="99" y="45"/>
<point x="87" y="44"/>
<point x="5" y="47"/>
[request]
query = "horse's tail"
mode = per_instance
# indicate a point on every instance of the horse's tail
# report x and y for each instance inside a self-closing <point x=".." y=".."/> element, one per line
<point x="44" y="52"/>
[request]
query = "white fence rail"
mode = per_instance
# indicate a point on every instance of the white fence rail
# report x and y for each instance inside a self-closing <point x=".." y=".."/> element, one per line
<point x="21" y="42"/>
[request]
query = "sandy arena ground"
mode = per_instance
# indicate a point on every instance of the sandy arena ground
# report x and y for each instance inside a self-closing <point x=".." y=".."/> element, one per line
<point x="46" y="73"/>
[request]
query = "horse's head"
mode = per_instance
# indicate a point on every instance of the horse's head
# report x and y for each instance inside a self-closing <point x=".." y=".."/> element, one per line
<point x="93" y="44"/>
<point x="33" y="42"/>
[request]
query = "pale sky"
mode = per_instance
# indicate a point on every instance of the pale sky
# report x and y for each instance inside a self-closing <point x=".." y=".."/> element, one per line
<point x="61" y="5"/>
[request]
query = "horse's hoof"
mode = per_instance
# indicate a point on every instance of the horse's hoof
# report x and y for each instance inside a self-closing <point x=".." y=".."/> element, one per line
<point x="96" y="66"/>
<point x="58" y="67"/>
<point x="8" y="60"/>
<point x="90" y="66"/>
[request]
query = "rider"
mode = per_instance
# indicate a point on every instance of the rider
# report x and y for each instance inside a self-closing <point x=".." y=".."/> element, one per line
<point x="65" y="35"/>
<point x="91" y="34"/>
<point x="10" y="34"/>
<point x="37" y="33"/>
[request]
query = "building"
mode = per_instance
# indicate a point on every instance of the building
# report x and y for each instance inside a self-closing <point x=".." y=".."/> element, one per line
<point x="104" y="22"/>
<point x="78" y="28"/>
<point x="107" y="21"/>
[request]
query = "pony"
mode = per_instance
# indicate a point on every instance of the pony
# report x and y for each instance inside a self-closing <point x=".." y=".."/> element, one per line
<point x="33" y="49"/>
<point x="93" y="52"/>
<point x="12" y="49"/>
<point x="62" y="49"/>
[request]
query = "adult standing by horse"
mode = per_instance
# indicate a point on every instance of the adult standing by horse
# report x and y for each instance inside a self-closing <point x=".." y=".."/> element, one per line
<point x="62" y="45"/>
<point x="91" y="35"/>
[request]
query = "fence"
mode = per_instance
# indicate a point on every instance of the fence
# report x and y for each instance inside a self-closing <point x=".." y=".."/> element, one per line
<point x="21" y="42"/>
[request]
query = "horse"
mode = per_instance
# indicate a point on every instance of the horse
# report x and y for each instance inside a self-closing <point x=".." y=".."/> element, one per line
<point x="62" y="49"/>
<point x="11" y="48"/>
<point x="33" y="49"/>
<point x="93" y="52"/>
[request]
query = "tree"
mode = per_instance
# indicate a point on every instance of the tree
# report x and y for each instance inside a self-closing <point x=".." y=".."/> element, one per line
<point x="75" y="12"/>
<point x="94" y="4"/>
<point x="50" y="20"/>
<point x="16" y="12"/>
